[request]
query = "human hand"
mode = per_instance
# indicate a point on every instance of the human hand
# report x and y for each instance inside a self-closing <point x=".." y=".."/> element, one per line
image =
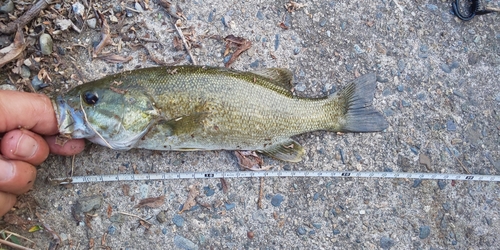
<point x="24" y="118"/>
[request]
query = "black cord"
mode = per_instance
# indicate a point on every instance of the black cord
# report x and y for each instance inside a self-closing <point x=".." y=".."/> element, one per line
<point x="474" y="7"/>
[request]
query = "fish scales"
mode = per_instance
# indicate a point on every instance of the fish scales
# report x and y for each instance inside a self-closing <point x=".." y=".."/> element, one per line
<point x="205" y="108"/>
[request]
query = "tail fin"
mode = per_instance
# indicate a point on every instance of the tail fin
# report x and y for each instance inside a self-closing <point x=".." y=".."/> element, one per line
<point x="360" y="115"/>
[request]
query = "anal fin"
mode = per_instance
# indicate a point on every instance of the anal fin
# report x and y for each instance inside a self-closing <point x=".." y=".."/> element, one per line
<point x="288" y="150"/>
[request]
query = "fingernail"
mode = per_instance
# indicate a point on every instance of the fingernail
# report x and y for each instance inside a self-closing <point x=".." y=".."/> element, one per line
<point x="6" y="171"/>
<point x="26" y="146"/>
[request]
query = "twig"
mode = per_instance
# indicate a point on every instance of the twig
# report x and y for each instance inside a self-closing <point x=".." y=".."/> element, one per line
<point x="133" y="215"/>
<point x="261" y="193"/>
<point x="17" y="235"/>
<point x="179" y="31"/>
<point x="25" y="18"/>
<point x="72" y="165"/>
<point x="14" y="245"/>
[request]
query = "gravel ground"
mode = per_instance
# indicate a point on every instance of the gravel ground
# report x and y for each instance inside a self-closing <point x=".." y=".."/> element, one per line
<point x="437" y="86"/>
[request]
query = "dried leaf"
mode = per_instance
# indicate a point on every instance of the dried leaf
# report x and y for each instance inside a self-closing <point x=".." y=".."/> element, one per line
<point x="153" y="202"/>
<point x="249" y="160"/>
<point x="225" y="187"/>
<point x="109" y="211"/>
<point x="35" y="228"/>
<point x="14" y="50"/>
<point x="240" y="43"/>
<point x="145" y="224"/>
<point x="126" y="189"/>
<point x="113" y="58"/>
<point x="88" y="219"/>
<point x="13" y="219"/>
<point x="191" y="199"/>
<point x="294" y="6"/>
<point x="105" y="34"/>
<point x="178" y="43"/>
<point x="283" y="26"/>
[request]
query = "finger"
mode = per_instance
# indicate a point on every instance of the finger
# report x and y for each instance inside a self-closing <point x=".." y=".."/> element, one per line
<point x="27" y="110"/>
<point x="71" y="147"/>
<point x="16" y="177"/>
<point x="7" y="201"/>
<point x="24" y="145"/>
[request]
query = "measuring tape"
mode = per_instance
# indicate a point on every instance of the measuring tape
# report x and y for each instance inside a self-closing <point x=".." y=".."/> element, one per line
<point x="250" y="174"/>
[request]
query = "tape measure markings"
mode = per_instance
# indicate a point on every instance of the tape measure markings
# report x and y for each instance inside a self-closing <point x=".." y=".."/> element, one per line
<point x="251" y="174"/>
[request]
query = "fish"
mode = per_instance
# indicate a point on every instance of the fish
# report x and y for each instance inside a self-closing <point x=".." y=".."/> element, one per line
<point x="187" y="108"/>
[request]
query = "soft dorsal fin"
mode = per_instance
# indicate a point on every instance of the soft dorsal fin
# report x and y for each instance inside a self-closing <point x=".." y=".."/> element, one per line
<point x="279" y="76"/>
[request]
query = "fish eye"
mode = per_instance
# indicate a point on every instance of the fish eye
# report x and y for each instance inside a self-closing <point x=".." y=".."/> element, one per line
<point x="90" y="97"/>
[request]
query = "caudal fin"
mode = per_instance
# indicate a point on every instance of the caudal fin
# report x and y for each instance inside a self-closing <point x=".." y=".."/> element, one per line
<point x="361" y="116"/>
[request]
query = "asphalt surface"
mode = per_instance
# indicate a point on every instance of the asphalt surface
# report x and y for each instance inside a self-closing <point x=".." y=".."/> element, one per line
<point x="437" y="86"/>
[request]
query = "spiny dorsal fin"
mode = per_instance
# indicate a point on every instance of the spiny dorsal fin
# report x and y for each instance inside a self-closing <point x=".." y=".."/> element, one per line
<point x="288" y="150"/>
<point x="279" y="76"/>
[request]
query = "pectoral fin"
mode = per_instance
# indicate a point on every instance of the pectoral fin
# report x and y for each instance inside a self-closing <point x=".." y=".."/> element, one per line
<point x="289" y="150"/>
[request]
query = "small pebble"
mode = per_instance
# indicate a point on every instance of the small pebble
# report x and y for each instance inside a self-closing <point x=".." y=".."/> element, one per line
<point x="138" y="7"/>
<point x="259" y="216"/>
<point x="208" y="191"/>
<point x="111" y="230"/>
<point x="442" y="184"/>
<point x="445" y="68"/>
<point x="184" y="243"/>
<point x="317" y="225"/>
<point x="424" y="232"/>
<point x="117" y="8"/>
<point x="316" y="196"/>
<point x="349" y="67"/>
<point x="446" y="206"/>
<point x="277" y="200"/>
<point x="211" y="16"/>
<point x="226" y="21"/>
<point x="432" y="7"/>
<point x="46" y="44"/>
<point x="259" y="15"/>
<point x="425" y="160"/>
<point x="405" y="103"/>
<point x="144" y="190"/>
<point x="89" y="203"/>
<point x="454" y="65"/>
<point x="300" y="87"/>
<point x="25" y="72"/>
<point x="129" y="13"/>
<point x="92" y="23"/>
<point x="401" y="65"/>
<point x="386" y="242"/>
<point x="296" y="51"/>
<point x="161" y="217"/>
<point x="276" y="41"/>
<point x="178" y="220"/>
<point x="322" y="23"/>
<point x="117" y="218"/>
<point x="336" y="231"/>
<point x="164" y="231"/>
<point x="229" y="206"/>
<point x="358" y="49"/>
<point x="401" y="88"/>
<point x="7" y="7"/>
<point x="416" y="183"/>
<point x="301" y="230"/>
<point x="451" y="126"/>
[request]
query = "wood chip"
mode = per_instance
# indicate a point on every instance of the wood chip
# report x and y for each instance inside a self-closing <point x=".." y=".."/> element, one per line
<point x="153" y="202"/>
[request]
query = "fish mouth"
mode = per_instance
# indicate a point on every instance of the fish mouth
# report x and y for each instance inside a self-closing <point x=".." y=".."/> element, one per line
<point x="70" y="122"/>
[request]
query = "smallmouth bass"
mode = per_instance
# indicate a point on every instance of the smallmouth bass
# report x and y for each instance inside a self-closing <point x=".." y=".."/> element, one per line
<point x="208" y="108"/>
